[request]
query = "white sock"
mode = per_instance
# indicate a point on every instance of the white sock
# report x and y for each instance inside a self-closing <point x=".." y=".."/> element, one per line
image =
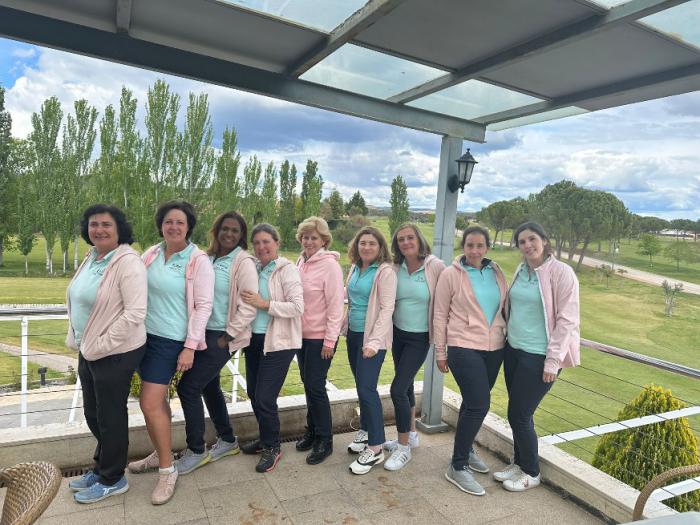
<point x="167" y="470"/>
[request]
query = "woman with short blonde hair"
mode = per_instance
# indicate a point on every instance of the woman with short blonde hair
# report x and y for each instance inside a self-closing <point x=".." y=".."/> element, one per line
<point x="318" y="225"/>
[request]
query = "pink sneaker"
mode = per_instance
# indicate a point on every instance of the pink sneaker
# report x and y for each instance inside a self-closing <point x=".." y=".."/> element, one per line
<point x="165" y="488"/>
<point x="150" y="462"/>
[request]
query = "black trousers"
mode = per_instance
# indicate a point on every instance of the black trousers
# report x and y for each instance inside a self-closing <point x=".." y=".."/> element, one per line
<point x="265" y="375"/>
<point x="106" y="384"/>
<point x="408" y="351"/>
<point x="523" y="373"/>
<point x="475" y="372"/>
<point x="203" y="380"/>
<point x="314" y="371"/>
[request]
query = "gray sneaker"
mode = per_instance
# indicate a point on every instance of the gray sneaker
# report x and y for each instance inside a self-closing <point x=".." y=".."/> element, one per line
<point x="222" y="449"/>
<point x="464" y="481"/>
<point x="476" y="463"/>
<point x="190" y="461"/>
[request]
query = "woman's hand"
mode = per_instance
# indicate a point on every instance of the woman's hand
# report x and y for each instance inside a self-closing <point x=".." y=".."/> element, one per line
<point x="222" y="342"/>
<point x="185" y="360"/>
<point x="548" y="377"/>
<point x="327" y="352"/>
<point x="255" y="299"/>
<point x="442" y="366"/>
<point x="368" y="352"/>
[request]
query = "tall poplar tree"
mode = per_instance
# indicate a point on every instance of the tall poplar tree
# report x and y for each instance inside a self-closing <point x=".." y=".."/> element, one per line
<point x="162" y="108"/>
<point x="267" y="206"/>
<point x="26" y="196"/>
<point x="399" y="203"/>
<point x="311" y="190"/>
<point x="226" y="186"/>
<point x="7" y="186"/>
<point x="287" y="210"/>
<point x="252" y="172"/>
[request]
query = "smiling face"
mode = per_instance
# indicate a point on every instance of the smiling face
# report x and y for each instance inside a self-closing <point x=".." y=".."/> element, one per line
<point x="408" y="242"/>
<point x="368" y="248"/>
<point x="175" y="228"/>
<point x="229" y="236"/>
<point x="532" y="247"/>
<point x="475" y="249"/>
<point x="312" y="242"/>
<point x="103" y="232"/>
<point x="265" y="247"/>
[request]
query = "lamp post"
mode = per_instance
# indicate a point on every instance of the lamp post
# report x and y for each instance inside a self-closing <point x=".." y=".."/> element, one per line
<point x="465" y="167"/>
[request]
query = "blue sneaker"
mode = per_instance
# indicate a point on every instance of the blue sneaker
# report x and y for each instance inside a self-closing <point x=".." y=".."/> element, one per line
<point x="98" y="491"/>
<point x="85" y="481"/>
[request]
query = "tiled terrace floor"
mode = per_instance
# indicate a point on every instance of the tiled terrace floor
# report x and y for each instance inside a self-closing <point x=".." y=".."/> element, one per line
<point x="230" y="491"/>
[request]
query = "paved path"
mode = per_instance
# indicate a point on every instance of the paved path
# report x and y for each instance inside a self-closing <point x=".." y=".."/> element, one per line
<point x="57" y="362"/>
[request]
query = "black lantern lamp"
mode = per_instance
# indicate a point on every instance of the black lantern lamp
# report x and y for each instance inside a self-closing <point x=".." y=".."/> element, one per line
<point x="465" y="167"/>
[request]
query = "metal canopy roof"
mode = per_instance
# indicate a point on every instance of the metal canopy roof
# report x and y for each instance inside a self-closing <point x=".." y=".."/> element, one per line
<point x="451" y="67"/>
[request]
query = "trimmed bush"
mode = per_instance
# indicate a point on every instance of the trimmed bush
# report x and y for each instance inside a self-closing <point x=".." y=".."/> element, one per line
<point x="636" y="455"/>
<point x="135" y="389"/>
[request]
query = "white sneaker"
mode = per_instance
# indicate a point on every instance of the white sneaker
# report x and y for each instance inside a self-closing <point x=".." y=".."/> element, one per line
<point x="509" y="472"/>
<point x="359" y="443"/>
<point x="521" y="483"/>
<point x="413" y="442"/>
<point x="366" y="460"/>
<point x="399" y="458"/>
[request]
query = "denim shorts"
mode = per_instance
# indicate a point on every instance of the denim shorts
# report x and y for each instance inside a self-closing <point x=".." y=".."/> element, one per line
<point x="159" y="363"/>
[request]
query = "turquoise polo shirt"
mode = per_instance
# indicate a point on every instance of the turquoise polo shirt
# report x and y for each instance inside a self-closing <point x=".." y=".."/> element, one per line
<point x="359" y="288"/>
<point x="83" y="292"/>
<point x="486" y="290"/>
<point x="262" y="318"/>
<point x="526" y="324"/>
<point x="411" y="311"/>
<point x="222" y="281"/>
<point x="167" y="314"/>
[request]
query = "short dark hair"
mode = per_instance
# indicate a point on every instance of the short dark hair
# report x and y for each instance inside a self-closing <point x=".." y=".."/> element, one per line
<point x="539" y="231"/>
<point x="216" y="227"/>
<point x="124" y="230"/>
<point x="185" y="207"/>
<point x="267" y="228"/>
<point x="423" y="246"/>
<point x="476" y="229"/>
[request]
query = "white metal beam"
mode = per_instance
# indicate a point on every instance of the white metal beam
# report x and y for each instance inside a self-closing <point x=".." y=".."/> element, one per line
<point x="344" y="33"/>
<point x="624" y="13"/>
<point x="123" y="22"/>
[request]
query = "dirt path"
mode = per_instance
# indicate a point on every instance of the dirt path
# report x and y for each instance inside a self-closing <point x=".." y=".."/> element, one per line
<point x="57" y="362"/>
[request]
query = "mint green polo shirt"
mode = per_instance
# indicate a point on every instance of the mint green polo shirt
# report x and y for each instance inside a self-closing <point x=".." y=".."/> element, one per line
<point x="222" y="281"/>
<point x="411" y="311"/>
<point x="359" y="288"/>
<point x="83" y="292"/>
<point x="526" y="324"/>
<point x="167" y="314"/>
<point x="486" y="290"/>
<point x="262" y="318"/>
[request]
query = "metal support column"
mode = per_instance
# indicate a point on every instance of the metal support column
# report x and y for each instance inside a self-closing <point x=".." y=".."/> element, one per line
<point x="443" y="247"/>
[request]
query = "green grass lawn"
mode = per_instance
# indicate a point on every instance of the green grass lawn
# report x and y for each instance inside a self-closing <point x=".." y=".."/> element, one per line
<point x="10" y="371"/>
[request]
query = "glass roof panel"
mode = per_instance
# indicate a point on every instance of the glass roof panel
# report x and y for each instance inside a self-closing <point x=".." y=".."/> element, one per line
<point x="609" y="3"/>
<point x="681" y="22"/>
<point x="539" y="117"/>
<point x="472" y="99"/>
<point x="367" y="72"/>
<point x="326" y="15"/>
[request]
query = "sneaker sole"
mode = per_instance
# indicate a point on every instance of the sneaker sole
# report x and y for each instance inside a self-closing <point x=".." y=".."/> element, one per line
<point x="76" y="489"/>
<point x="206" y="460"/>
<point x="394" y="469"/>
<point x="460" y="487"/>
<point x="113" y="493"/>
<point x="232" y="452"/>
<point x="365" y="469"/>
<point x="480" y="471"/>
<point x="270" y="469"/>
<point x="501" y="479"/>
<point x="512" y="489"/>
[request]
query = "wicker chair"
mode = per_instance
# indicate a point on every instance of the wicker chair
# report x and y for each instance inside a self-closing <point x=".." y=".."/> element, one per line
<point x="30" y="489"/>
<point x="660" y="481"/>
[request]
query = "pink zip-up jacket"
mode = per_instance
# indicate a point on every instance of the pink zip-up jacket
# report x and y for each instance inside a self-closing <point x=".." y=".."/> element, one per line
<point x="433" y="268"/>
<point x="322" y="280"/>
<point x="199" y="293"/>
<point x="559" y="290"/>
<point x="286" y="308"/>
<point x="458" y="318"/>
<point x="117" y="321"/>
<point x="244" y="277"/>
<point x="379" y="326"/>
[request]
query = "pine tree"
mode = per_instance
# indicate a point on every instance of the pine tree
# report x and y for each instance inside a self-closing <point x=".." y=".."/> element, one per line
<point x="335" y="200"/>
<point x="356" y="205"/>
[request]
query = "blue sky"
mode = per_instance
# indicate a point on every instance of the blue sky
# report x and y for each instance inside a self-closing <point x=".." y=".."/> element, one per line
<point x="647" y="154"/>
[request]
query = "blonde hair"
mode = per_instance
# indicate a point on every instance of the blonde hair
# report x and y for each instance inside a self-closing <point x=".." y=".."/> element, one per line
<point x="382" y="257"/>
<point x="318" y="225"/>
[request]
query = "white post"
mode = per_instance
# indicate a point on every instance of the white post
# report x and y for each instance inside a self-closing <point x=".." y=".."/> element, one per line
<point x="23" y="371"/>
<point x="76" y="394"/>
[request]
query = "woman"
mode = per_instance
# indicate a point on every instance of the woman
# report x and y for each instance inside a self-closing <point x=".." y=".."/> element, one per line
<point x="371" y="290"/>
<point x="228" y="330"/>
<point x="276" y="338"/>
<point x="417" y="276"/>
<point x="543" y="338"/>
<point x="469" y="321"/>
<point x="180" y="291"/>
<point x="322" y="280"/>
<point x="106" y="310"/>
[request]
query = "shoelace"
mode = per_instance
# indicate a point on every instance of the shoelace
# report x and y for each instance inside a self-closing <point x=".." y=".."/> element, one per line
<point x="366" y="455"/>
<point x="360" y="437"/>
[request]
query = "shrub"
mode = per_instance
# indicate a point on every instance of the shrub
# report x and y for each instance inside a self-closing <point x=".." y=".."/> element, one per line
<point x="636" y="455"/>
<point x="135" y="388"/>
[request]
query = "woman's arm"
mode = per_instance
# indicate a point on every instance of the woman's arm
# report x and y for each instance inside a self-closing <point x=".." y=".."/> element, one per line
<point x="293" y="303"/>
<point x="386" y="292"/>
<point x="565" y="292"/>
<point x="335" y="295"/>
<point x="245" y="312"/>
<point x="203" y="295"/>
<point x="441" y="310"/>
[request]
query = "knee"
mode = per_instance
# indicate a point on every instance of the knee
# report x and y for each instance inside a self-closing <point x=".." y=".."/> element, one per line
<point x="151" y="405"/>
<point x="398" y="393"/>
